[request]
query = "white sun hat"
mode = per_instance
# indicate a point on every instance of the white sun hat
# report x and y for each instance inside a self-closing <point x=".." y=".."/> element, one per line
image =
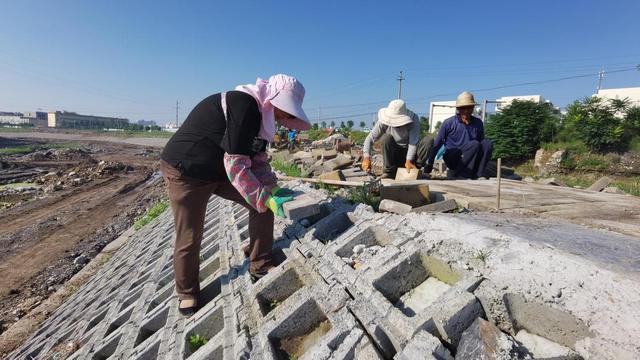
<point x="288" y="96"/>
<point x="465" y="99"/>
<point x="395" y="115"/>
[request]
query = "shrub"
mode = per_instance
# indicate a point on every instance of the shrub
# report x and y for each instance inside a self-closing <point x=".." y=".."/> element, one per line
<point x="520" y="128"/>
<point x="594" y="122"/>
<point x="153" y="213"/>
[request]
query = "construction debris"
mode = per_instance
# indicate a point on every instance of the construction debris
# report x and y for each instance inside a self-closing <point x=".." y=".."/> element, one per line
<point x="395" y="207"/>
<point x="413" y="193"/>
<point x="599" y="185"/>
<point x="441" y="206"/>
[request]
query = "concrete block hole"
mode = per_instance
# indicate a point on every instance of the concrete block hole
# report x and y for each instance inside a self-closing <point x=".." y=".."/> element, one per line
<point x="209" y="269"/>
<point x="209" y="292"/>
<point x="371" y="236"/>
<point x="304" y="328"/>
<point x="207" y="327"/>
<point x="150" y="353"/>
<point x="160" y="298"/>
<point x="133" y="296"/>
<point x="108" y="349"/>
<point x="96" y="320"/>
<point x="279" y="290"/>
<point x="329" y="228"/>
<point x="150" y="327"/>
<point x="119" y="321"/>
<point x="416" y="282"/>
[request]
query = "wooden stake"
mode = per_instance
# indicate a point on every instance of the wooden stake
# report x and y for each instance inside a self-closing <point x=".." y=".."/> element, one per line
<point x="499" y="178"/>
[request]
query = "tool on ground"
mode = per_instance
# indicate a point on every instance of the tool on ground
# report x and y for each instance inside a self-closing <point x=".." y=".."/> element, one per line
<point x="498" y="177"/>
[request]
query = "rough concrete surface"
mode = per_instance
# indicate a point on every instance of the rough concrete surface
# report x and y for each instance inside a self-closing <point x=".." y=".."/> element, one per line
<point x="316" y="306"/>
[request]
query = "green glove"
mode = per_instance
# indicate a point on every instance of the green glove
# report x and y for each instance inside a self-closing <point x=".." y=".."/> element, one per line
<point x="278" y="191"/>
<point x="274" y="203"/>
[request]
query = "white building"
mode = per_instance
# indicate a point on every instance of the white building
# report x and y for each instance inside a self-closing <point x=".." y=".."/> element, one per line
<point x="65" y="119"/>
<point x="12" y="118"/>
<point x="633" y="94"/>
<point x="505" y="101"/>
<point x="171" y="127"/>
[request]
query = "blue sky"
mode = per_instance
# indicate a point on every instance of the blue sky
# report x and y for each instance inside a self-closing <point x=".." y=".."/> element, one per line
<point x="136" y="58"/>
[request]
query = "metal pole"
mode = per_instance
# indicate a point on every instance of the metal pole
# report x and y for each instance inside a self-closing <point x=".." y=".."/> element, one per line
<point x="484" y="110"/>
<point x="499" y="179"/>
<point x="400" y="78"/>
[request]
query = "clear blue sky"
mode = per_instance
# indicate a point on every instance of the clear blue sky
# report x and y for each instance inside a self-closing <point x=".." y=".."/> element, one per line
<point x="136" y="58"/>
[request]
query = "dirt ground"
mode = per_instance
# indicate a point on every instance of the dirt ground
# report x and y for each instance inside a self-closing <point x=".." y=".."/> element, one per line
<point x="87" y="194"/>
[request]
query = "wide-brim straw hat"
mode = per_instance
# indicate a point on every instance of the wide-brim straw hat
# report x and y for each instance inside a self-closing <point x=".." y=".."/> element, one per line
<point x="395" y="115"/>
<point x="465" y="99"/>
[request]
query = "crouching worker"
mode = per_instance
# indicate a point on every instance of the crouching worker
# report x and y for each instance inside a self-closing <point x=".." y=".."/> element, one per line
<point x="220" y="150"/>
<point x="399" y="131"/>
<point x="466" y="151"/>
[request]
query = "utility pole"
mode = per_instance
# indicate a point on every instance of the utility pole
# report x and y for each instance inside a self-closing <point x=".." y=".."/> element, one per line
<point x="177" y="107"/>
<point x="400" y="79"/>
<point x="600" y="78"/>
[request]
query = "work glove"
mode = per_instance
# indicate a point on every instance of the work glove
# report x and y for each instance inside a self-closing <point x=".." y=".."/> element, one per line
<point x="278" y="191"/>
<point x="409" y="165"/>
<point x="274" y="203"/>
<point x="427" y="169"/>
<point x="366" y="164"/>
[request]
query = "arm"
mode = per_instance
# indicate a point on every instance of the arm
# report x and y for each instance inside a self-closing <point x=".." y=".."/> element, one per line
<point x="414" y="138"/>
<point x="374" y="135"/>
<point x="239" y="170"/>
<point x="262" y="170"/>
<point x="438" y="142"/>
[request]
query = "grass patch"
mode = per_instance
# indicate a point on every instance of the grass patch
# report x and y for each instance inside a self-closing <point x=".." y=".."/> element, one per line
<point x="526" y="169"/>
<point x="361" y="195"/>
<point x="576" y="147"/>
<point x="591" y="162"/>
<point x="358" y="136"/>
<point x="196" y="341"/>
<point x="18" y="150"/>
<point x="630" y="186"/>
<point x="17" y="185"/>
<point x="153" y="213"/>
<point x="288" y="169"/>
<point x="634" y="144"/>
<point x="131" y="133"/>
<point x="575" y="180"/>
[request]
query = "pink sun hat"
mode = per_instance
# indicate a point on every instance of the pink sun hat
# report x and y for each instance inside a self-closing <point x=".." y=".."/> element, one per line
<point x="287" y="93"/>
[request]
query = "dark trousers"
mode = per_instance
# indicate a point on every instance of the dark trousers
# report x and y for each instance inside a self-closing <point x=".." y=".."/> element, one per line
<point x="189" y="197"/>
<point x="395" y="155"/>
<point x="470" y="160"/>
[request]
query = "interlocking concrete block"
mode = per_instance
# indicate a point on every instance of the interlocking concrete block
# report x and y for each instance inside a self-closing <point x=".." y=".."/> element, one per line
<point x="340" y="162"/>
<point x="405" y="175"/>
<point x="414" y="193"/>
<point x="543" y="320"/>
<point x="452" y="314"/>
<point x="302" y="207"/>
<point x="395" y="207"/>
<point x="424" y="346"/>
<point x="332" y="175"/>
<point x="599" y="185"/>
<point x="441" y="206"/>
<point x="491" y="296"/>
<point x="483" y="340"/>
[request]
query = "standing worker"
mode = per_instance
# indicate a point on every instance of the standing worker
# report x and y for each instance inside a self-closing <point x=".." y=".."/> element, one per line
<point x="399" y="130"/>
<point x="467" y="152"/>
<point x="220" y="149"/>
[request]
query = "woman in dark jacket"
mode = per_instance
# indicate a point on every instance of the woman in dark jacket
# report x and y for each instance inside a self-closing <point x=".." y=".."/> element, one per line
<point x="220" y="149"/>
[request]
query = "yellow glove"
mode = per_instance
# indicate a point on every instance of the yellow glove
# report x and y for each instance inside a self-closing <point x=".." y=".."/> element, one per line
<point x="409" y="165"/>
<point x="366" y="164"/>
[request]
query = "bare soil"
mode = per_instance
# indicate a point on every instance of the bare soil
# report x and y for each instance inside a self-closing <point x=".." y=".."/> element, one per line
<point x="86" y="198"/>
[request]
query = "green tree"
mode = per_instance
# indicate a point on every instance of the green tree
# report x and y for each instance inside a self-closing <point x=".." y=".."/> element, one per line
<point x="314" y="126"/>
<point x="437" y="127"/>
<point x="632" y="121"/>
<point x="424" y="125"/>
<point x="519" y="129"/>
<point x="349" y="124"/>
<point x="323" y="124"/>
<point x="342" y="125"/>
<point x="362" y="124"/>
<point x="333" y="124"/>
<point x="594" y="121"/>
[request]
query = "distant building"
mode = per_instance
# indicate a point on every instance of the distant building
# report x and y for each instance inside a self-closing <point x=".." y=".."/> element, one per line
<point x="36" y="118"/>
<point x="64" y="119"/>
<point x="505" y="101"/>
<point x="12" y="118"/>
<point x="171" y="127"/>
<point x="633" y="94"/>
<point x="146" y="122"/>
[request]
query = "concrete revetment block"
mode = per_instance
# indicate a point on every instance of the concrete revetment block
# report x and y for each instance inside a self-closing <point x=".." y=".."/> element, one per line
<point x="302" y="207"/>
<point x="441" y="206"/>
<point x="333" y="175"/>
<point x="414" y="193"/>
<point x="403" y="174"/>
<point x="483" y="340"/>
<point x="395" y="207"/>
<point x="424" y="346"/>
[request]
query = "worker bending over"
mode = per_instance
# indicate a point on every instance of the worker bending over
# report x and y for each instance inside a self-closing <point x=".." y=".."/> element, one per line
<point x="399" y="131"/>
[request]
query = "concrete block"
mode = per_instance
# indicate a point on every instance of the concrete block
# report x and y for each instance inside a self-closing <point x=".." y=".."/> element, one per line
<point x="364" y="178"/>
<point x="613" y="190"/>
<point x="353" y="172"/>
<point x="339" y="162"/>
<point x="483" y="340"/>
<point x="599" y="185"/>
<point x="302" y="207"/>
<point x="424" y="346"/>
<point x="333" y="175"/>
<point x="543" y="320"/>
<point x="541" y="348"/>
<point x="412" y="193"/>
<point x="452" y="314"/>
<point x="491" y="297"/>
<point x="404" y="175"/>
<point x="395" y="207"/>
<point x="441" y="206"/>
<point x="328" y="154"/>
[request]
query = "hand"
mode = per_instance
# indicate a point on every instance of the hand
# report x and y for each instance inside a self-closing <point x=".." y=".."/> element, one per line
<point x="409" y="165"/>
<point x="278" y="191"/>
<point x="274" y="203"/>
<point x="366" y="164"/>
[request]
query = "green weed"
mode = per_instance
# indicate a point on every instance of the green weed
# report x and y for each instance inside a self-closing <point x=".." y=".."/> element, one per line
<point x="288" y="169"/>
<point x="196" y="341"/>
<point x="482" y="255"/>
<point x="153" y="213"/>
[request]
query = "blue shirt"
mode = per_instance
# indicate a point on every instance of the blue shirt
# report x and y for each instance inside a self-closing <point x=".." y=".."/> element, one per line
<point x="454" y="133"/>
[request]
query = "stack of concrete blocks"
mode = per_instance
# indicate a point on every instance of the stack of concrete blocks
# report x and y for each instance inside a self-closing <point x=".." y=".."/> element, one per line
<point x="407" y="301"/>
